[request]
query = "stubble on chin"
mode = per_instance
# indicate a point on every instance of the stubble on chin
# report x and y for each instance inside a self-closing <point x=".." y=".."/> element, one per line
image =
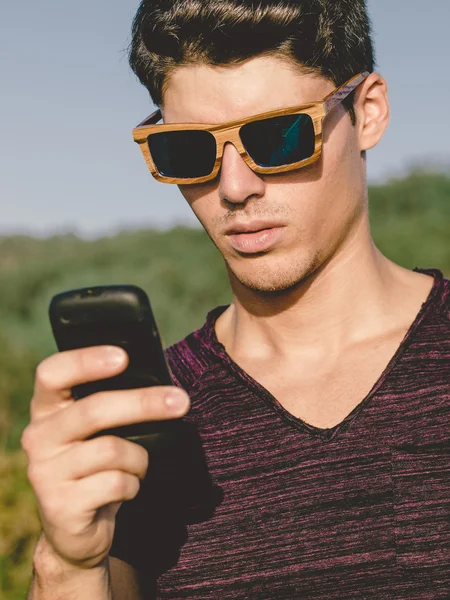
<point x="272" y="277"/>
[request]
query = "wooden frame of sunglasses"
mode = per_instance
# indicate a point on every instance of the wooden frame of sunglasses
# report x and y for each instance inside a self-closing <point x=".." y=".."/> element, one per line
<point x="229" y="132"/>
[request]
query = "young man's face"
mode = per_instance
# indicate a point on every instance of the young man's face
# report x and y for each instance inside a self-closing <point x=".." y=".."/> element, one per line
<point x="314" y="209"/>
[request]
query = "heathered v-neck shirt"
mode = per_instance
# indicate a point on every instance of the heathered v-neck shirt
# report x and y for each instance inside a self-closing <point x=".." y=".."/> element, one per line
<point x="257" y="504"/>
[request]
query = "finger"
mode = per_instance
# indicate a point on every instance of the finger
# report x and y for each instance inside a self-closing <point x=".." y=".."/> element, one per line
<point x="112" y="409"/>
<point x="106" y="453"/>
<point x="56" y="375"/>
<point x="107" y="487"/>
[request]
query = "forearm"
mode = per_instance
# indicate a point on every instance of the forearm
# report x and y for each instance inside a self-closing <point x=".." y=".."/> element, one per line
<point x="54" y="580"/>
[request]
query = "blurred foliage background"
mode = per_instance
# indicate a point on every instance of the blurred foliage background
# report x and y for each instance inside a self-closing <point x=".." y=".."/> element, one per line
<point x="185" y="277"/>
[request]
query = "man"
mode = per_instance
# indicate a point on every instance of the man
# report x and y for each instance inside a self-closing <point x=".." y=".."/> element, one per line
<point x="319" y="459"/>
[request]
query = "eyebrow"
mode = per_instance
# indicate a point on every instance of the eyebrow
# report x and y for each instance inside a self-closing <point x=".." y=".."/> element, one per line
<point x="330" y="101"/>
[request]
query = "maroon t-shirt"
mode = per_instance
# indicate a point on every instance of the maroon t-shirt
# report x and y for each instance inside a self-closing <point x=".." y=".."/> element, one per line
<point x="254" y="503"/>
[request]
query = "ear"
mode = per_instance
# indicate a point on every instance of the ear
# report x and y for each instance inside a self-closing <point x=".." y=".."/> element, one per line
<point x="372" y="110"/>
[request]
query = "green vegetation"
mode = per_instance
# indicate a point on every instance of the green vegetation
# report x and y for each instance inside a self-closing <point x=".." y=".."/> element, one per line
<point x="185" y="278"/>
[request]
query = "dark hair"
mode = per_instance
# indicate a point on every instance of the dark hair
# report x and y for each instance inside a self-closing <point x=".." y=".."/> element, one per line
<point x="329" y="37"/>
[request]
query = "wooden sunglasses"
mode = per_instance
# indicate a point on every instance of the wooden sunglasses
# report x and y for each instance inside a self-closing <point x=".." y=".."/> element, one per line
<point x="191" y="153"/>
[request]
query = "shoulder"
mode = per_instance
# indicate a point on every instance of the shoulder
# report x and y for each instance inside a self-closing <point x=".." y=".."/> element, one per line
<point x="195" y="354"/>
<point x="430" y="335"/>
<point x="437" y="306"/>
<point x="442" y="299"/>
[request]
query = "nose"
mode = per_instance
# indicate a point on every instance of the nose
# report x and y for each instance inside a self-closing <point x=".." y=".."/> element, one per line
<point x="237" y="181"/>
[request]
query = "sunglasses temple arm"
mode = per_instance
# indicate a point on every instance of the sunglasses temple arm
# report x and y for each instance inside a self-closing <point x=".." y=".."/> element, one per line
<point x="151" y="119"/>
<point x="342" y="92"/>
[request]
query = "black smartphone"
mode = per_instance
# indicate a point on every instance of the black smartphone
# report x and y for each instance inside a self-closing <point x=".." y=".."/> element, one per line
<point x="117" y="315"/>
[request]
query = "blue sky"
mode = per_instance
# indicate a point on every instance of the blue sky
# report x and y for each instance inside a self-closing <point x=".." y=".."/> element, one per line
<point x="69" y="101"/>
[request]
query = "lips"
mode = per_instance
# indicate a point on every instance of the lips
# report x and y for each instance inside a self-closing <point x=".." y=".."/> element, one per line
<point x="255" y="237"/>
<point x="252" y="227"/>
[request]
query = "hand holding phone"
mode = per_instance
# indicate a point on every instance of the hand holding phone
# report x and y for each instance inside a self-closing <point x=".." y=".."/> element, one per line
<point x="80" y="474"/>
<point x="80" y="480"/>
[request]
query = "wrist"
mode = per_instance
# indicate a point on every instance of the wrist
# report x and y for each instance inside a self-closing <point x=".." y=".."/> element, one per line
<point x="52" y="572"/>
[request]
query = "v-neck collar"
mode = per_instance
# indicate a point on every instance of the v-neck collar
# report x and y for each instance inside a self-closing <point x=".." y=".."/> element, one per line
<point x="326" y="434"/>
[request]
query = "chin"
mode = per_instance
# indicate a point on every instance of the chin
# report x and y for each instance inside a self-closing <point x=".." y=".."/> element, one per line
<point x="271" y="277"/>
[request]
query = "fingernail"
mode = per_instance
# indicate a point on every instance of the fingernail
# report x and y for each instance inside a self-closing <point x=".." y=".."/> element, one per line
<point x="177" y="401"/>
<point x="113" y="356"/>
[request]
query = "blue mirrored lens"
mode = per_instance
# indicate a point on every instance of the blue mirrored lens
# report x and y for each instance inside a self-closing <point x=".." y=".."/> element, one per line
<point x="280" y="140"/>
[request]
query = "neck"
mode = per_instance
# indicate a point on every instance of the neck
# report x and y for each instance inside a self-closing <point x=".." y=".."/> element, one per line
<point x="356" y="295"/>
